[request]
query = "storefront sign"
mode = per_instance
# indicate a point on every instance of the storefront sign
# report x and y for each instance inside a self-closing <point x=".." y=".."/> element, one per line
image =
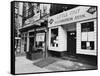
<point x="42" y="28"/>
<point x="73" y="15"/>
<point x="33" y="19"/>
<point x="40" y="36"/>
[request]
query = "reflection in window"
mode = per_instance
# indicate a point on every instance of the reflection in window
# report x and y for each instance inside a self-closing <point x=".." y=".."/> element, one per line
<point x="89" y="45"/>
<point x="54" y="37"/>
<point x="87" y="27"/>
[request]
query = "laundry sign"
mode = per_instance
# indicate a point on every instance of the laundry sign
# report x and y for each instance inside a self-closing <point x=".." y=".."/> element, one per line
<point x="76" y="14"/>
<point x="40" y="36"/>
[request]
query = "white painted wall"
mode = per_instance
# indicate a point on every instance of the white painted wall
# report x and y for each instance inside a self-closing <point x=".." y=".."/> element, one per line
<point x="62" y="39"/>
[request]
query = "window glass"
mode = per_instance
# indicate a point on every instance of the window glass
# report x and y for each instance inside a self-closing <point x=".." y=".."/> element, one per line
<point x="83" y="44"/>
<point x="39" y="44"/>
<point x="89" y="45"/>
<point x="92" y="45"/>
<point x="87" y="27"/>
<point x="54" y="37"/>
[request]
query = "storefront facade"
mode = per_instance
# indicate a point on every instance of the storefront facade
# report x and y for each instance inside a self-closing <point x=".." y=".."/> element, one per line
<point x="34" y="30"/>
<point x="74" y="31"/>
<point x="33" y="41"/>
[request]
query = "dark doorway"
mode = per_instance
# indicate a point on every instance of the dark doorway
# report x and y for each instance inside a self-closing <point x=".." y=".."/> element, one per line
<point x="25" y="44"/>
<point x="71" y="42"/>
<point x="31" y="44"/>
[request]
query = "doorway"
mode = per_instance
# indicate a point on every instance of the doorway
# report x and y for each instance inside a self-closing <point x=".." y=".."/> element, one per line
<point x="71" y="42"/>
<point x="31" y="45"/>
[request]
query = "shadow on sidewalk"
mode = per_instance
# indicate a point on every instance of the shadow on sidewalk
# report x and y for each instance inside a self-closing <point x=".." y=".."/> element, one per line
<point x="45" y="62"/>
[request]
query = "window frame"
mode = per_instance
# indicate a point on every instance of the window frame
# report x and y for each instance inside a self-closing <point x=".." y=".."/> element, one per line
<point x="87" y="34"/>
<point x="56" y="44"/>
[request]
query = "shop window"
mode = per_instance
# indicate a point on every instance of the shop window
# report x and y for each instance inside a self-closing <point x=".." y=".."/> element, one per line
<point x="39" y="44"/>
<point x="87" y="27"/>
<point x="89" y="45"/>
<point x="54" y="37"/>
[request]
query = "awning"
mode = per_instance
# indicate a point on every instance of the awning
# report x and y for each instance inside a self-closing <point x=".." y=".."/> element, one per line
<point x="34" y="25"/>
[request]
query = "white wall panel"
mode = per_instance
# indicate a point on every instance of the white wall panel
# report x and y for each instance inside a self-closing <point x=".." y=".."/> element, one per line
<point x="78" y="40"/>
<point x="62" y="39"/>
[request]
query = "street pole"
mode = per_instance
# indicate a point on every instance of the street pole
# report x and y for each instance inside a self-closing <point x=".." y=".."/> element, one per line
<point x="46" y="45"/>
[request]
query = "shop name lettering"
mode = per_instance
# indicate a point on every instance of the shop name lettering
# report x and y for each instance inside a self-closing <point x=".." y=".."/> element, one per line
<point x="74" y="12"/>
<point x="71" y="18"/>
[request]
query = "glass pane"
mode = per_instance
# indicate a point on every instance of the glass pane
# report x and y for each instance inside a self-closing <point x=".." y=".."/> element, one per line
<point x="83" y="44"/>
<point x="39" y="44"/>
<point x="90" y="26"/>
<point x="87" y="27"/>
<point x="84" y="27"/>
<point x="87" y="45"/>
<point x="92" y="45"/>
<point x="54" y="37"/>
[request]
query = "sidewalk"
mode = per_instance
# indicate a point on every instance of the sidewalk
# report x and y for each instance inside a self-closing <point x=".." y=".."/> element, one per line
<point x="67" y="65"/>
<point x="23" y="65"/>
